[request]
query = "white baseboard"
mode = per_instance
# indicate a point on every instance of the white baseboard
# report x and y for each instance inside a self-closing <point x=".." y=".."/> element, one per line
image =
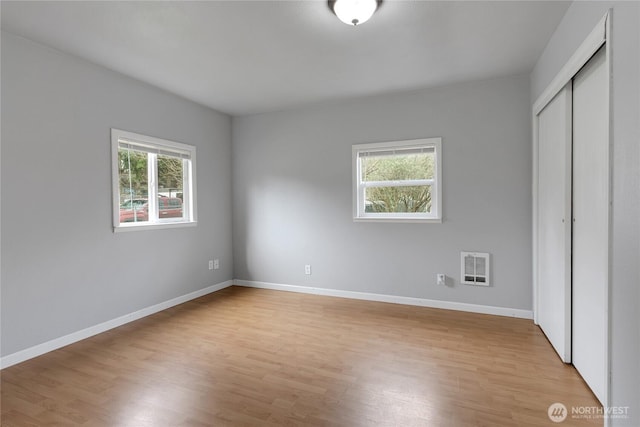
<point x="422" y="302"/>
<point x="37" y="350"/>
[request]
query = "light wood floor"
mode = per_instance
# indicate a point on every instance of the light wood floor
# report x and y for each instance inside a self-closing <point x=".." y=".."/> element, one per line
<point x="251" y="357"/>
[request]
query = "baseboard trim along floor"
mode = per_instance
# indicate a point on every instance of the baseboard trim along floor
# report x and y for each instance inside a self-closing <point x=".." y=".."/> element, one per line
<point x="422" y="302"/>
<point x="54" y="344"/>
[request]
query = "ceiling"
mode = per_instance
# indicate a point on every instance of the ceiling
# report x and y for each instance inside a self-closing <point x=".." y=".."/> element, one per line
<point x="246" y="57"/>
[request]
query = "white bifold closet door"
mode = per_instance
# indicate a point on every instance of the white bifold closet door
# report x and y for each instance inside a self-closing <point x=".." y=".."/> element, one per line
<point x="554" y="222"/>
<point x="591" y="222"/>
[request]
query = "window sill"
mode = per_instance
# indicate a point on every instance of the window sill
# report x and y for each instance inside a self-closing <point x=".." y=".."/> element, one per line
<point x="398" y="219"/>
<point x="144" y="227"/>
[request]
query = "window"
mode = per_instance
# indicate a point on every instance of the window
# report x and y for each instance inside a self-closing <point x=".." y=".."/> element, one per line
<point x="398" y="181"/>
<point x="153" y="182"/>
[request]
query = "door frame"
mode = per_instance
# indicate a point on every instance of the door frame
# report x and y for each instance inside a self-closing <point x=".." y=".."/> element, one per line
<point x="599" y="36"/>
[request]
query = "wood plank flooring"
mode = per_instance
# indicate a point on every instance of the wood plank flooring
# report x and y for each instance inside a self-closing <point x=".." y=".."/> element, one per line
<point x="253" y="357"/>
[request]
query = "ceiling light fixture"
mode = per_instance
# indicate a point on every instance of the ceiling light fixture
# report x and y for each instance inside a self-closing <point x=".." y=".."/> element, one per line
<point x="354" y="12"/>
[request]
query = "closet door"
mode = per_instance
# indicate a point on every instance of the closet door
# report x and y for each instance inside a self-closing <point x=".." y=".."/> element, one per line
<point x="554" y="222"/>
<point x="591" y="222"/>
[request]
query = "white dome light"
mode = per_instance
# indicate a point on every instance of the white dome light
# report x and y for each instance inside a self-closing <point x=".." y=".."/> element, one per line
<point x="354" y="12"/>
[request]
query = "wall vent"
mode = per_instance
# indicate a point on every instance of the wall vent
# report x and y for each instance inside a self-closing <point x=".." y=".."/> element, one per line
<point x="474" y="268"/>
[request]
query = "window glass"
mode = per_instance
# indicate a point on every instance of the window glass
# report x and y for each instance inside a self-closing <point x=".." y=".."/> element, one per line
<point x="397" y="166"/>
<point x="170" y="182"/>
<point x="133" y="181"/>
<point x="398" y="199"/>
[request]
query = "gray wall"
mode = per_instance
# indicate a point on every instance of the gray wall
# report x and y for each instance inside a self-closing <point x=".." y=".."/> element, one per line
<point x="63" y="268"/>
<point x="292" y="194"/>
<point x="625" y="299"/>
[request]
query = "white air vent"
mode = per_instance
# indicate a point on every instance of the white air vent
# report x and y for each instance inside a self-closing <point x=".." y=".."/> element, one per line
<point x="474" y="268"/>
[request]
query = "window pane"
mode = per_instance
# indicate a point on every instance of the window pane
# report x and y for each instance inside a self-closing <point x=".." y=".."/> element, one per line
<point x="398" y="199"/>
<point x="398" y="166"/>
<point x="170" y="184"/>
<point x="134" y="187"/>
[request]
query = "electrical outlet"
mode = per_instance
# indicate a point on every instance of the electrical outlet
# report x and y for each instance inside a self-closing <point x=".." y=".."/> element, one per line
<point x="210" y="264"/>
<point x="307" y="269"/>
<point x="216" y="264"/>
<point x="441" y="279"/>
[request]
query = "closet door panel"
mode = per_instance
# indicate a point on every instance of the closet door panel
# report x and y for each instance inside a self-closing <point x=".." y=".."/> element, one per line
<point x="591" y="222"/>
<point x="554" y="222"/>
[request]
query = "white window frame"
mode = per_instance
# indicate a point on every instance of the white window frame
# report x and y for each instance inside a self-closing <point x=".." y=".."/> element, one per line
<point x="359" y="186"/>
<point x="154" y="146"/>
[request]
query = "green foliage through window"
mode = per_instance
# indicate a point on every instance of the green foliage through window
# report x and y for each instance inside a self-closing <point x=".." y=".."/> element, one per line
<point x="170" y="175"/>
<point x="396" y="167"/>
<point x="132" y="170"/>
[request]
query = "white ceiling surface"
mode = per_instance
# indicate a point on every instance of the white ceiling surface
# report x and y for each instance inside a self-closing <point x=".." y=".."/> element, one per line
<point x="245" y="57"/>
